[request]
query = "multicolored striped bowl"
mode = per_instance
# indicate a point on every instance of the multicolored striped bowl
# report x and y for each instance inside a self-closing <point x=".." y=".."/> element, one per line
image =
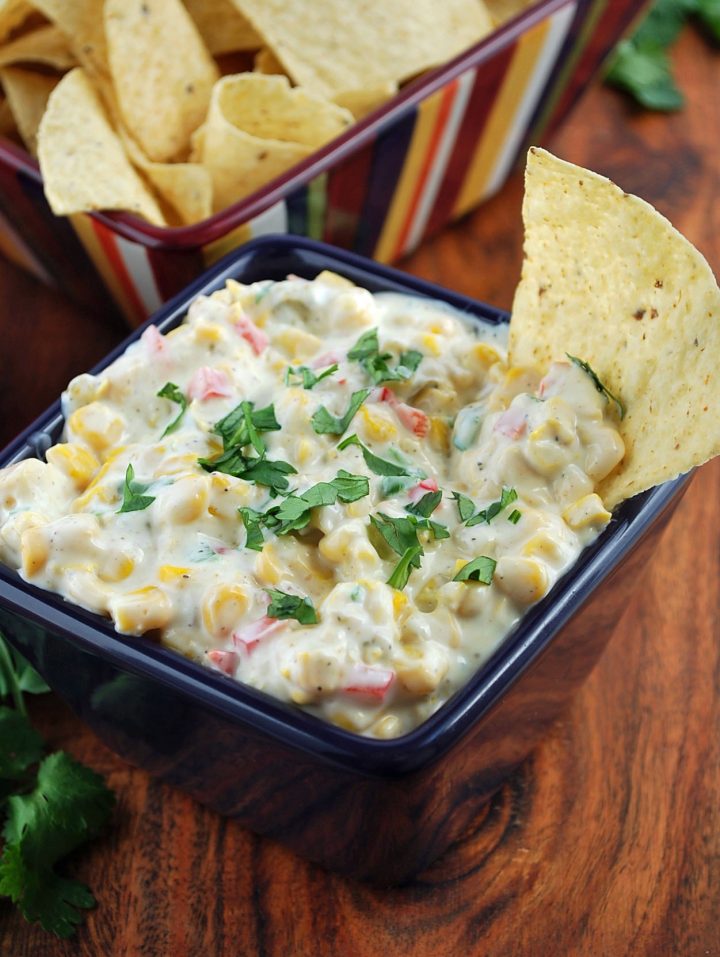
<point x="435" y="151"/>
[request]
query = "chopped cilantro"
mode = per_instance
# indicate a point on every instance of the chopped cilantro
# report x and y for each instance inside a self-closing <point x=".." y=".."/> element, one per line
<point x="367" y="352"/>
<point x="172" y="392"/>
<point x="401" y="573"/>
<point x="283" y="605"/>
<point x="309" y="378"/>
<point x="324" y="422"/>
<point x="374" y="462"/>
<point x="466" y="507"/>
<point x="602" y="389"/>
<point x="427" y="504"/>
<point x="234" y="428"/>
<point x="133" y="498"/>
<point x="514" y="516"/>
<point x="479" y="569"/>
<point x="252" y="520"/>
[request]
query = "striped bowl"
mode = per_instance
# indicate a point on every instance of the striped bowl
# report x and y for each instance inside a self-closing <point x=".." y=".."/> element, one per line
<point x="435" y="151"/>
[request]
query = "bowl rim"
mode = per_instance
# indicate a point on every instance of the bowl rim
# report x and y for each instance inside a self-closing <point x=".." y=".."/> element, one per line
<point x="356" y="136"/>
<point x="287" y="724"/>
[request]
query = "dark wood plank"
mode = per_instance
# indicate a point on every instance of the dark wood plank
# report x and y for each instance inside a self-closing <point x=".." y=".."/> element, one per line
<point x="607" y="841"/>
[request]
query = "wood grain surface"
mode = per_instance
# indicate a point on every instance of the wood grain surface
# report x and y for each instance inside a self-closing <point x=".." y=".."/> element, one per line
<point x="607" y="840"/>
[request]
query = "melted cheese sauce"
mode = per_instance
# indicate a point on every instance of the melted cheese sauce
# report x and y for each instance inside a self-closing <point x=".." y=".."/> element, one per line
<point x="380" y="659"/>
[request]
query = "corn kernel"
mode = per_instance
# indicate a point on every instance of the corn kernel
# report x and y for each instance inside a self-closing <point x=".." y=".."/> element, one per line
<point x="439" y="434"/>
<point x="377" y="427"/>
<point x="485" y="354"/>
<point x="171" y="573"/>
<point x="305" y="450"/>
<point x="431" y="343"/>
<point x="98" y="425"/>
<point x="542" y="546"/>
<point x="331" y="278"/>
<point x="267" y="569"/>
<point x="142" y="610"/>
<point x="522" y="579"/>
<point x="34" y="551"/>
<point x="207" y="332"/>
<point x="297" y="343"/>
<point x="223" y="606"/>
<point x="387" y="727"/>
<point x="116" y="567"/>
<point x="587" y="511"/>
<point x="77" y="462"/>
<point x="399" y="600"/>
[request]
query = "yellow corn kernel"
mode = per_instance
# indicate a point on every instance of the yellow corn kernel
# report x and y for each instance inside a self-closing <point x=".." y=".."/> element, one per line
<point x="399" y="600"/>
<point x="522" y="579"/>
<point x="175" y="464"/>
<point x="116" y="567"/>
<point x="587" y="511"/>
<point x="186" y="500"/>
<point x="357" y="509"/>
<point x="34" y="551"/>
<point x="267" y="569"/>
<point x="542" y="546"/>
<point x="297" y="343"/>
<point x="387" y="727"/>
<point x="142" y="610"/>
<point x="552" y="430"/>
<point x="431" y="343"/>
<point x="77" y="462"/>
<point x="223" y="606"/>
<point x="97" y="424"/>
<point x="424" y="673"/>
<point x="377" y="427"/>
<point x="302" y="697"/>
<point x="439" y="434"/>
<point x="305" y="450"/>
<point x="485" y="355"/>
<point x="207" y="332"/>
<point x="331" y="278"/>
<point x="171" y="573"/>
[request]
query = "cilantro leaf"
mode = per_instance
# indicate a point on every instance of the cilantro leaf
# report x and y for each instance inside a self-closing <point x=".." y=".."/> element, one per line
<point x="401" y="573"/>
<point x="466" y="507"/>
<point x="366" y="346"/>
<point x="309" y="378"/>
<point x="324" y="422"/>
<point x="20" y="747"/>
<point x="479" y="569"/>
<point x="174" y="394"/>
<point x="399" y="533"/>
<point x="645" y="73"/>
<point x="514" y="516"/>
<point x="427" y="504"/>
<point x="350" y="487"/>
<point x="374" y="463"/>
<point x="252" y="520"/>
<point x="709" y="13"/>
<point x="133" y="498"/>
<point x="283" y="605"/>
<point x="17" y="676"/>
<point x="234" y="430"/>
<point x="366" y="351"/>
<point x="69" y="805"/>
<point x="266" y="472"/>
<point x="598" y="384"/>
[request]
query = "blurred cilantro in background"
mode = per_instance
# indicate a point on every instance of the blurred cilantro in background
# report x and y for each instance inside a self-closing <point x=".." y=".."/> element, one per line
<point x="641" y="65"/>
<point x="50" y="804"/>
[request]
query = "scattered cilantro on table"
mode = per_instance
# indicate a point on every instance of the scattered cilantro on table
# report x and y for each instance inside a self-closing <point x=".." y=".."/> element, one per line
<point x="641" y="65"/>
<point x="50" y="805"/>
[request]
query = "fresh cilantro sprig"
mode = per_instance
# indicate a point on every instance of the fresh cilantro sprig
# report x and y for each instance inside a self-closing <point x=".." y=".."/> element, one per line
<point x="599" y="385"/>
<point x="469" y="515"/>
<point x="401" y="573"/>
<point x="426" y="505"/>
<point x="367" y="352"/>
<point x="49" y="813"/>
<point x="295" y="511"/>
<point x="134" y="499"/>
<point x="323" y="422"/>
<point x="374" y="462"/>
<point x="243" y="423"/>
<point x="401" y="535"/>
<point x="309" y="378"/>
<point x="298" y="607"/>
<point x="174" y="394"/>
<point x="479" y="569"/>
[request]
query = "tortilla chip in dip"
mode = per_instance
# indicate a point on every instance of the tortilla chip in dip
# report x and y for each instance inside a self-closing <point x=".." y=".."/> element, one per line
<point x="608" y="280"/>
<point x="83" y="164"/>
<point x="257" y="127"/>
<point x="162" y="73"/>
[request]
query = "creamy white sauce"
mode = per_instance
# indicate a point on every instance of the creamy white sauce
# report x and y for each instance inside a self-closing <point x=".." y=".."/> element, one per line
<point x="380" y="659"/>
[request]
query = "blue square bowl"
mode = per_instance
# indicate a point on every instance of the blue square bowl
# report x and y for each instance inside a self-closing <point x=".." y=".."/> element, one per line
<point x="377" y="810"/>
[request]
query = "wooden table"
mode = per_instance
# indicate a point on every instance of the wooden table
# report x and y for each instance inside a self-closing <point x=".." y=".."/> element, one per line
<point x="606" y="842"/>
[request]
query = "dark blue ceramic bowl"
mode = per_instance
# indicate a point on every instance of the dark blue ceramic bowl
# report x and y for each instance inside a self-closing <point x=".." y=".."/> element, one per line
<point x="379" y="810"/>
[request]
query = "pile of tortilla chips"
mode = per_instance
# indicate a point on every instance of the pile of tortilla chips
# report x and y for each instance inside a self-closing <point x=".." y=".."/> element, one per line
<point x="174" y="109"/>
<point x="608" y="279"/>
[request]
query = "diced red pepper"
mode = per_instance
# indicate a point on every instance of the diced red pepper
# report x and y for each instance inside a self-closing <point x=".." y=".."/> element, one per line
<point x="225" y="661"/>
<point x="417" y="491"/>
<point x="364" y="680"/>
<point x="413" y="419"/>
<point x="325" y="360"/>
<point x="249" y="331"/>
<point x="252" y="634"/>
<point x="511" y="423"/>
<point x="208" y="383"/>
<point x="154" y="341"/>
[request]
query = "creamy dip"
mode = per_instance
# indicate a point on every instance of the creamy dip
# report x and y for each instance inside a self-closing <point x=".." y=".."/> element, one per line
<point x="342" y="499"/>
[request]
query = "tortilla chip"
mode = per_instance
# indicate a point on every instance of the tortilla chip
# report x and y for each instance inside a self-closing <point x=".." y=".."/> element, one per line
<point x="27" y="94"/>
<point x="12" y="14"/>
<point x="328" y="48"/>
<point x="223" y="28"/>
<point x="503" y="10"/>
<point x="47" y="45"/>
<point x="186" y="187"/>
<point x="7" y="120"/>
<point x="83" y="164"/>
<point x="257" y="127"/>
<point x="82" y="23"/>
<point x="267" y="62"/>
<point x="362" y="102"/>
<point x="606" y="278"/>
<point x="162" y="73"/>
